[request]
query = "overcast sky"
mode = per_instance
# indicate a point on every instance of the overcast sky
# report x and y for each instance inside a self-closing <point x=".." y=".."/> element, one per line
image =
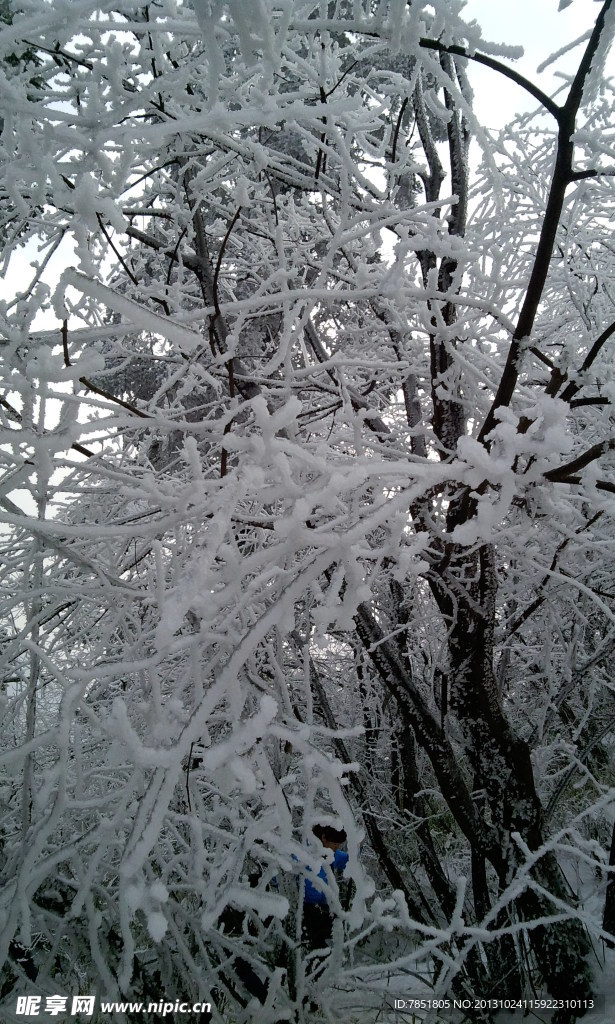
<point x="541" y="30"/>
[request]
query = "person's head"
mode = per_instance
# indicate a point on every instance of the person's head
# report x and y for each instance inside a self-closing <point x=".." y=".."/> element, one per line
<point x="331" y="838"/>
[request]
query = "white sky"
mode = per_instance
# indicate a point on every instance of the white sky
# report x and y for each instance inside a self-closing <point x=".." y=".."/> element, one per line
<point x="541" y="30"/>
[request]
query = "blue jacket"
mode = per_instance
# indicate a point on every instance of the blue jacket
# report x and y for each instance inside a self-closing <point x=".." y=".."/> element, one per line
<point x="314" y="896"/>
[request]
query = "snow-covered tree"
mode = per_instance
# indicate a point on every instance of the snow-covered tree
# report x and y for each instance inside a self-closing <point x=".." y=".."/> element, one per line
<point x="308" y="502"/>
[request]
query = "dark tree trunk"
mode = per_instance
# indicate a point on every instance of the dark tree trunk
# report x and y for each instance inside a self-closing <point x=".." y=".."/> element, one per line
<point x="608" y="919"/>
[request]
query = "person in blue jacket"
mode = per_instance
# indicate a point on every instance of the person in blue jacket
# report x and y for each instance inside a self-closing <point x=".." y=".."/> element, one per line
<point x="317" y="917"/>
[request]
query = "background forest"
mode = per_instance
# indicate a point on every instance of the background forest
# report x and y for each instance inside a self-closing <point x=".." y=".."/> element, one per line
<point x="308" y="500"/>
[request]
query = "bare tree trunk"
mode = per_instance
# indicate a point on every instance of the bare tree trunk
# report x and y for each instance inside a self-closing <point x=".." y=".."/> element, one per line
<point x="608" y="918"/>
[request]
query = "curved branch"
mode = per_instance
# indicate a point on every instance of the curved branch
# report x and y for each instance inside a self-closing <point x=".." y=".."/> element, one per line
<point x="502" y="69"/>
<point x="397" y="130"/>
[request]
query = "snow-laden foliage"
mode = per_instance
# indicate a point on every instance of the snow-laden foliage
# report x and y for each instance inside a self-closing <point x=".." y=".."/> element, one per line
<point x="307" y="497"/>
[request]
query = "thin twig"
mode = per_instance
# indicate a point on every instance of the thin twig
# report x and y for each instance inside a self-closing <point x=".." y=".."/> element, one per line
<point x="94" y="387"/>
